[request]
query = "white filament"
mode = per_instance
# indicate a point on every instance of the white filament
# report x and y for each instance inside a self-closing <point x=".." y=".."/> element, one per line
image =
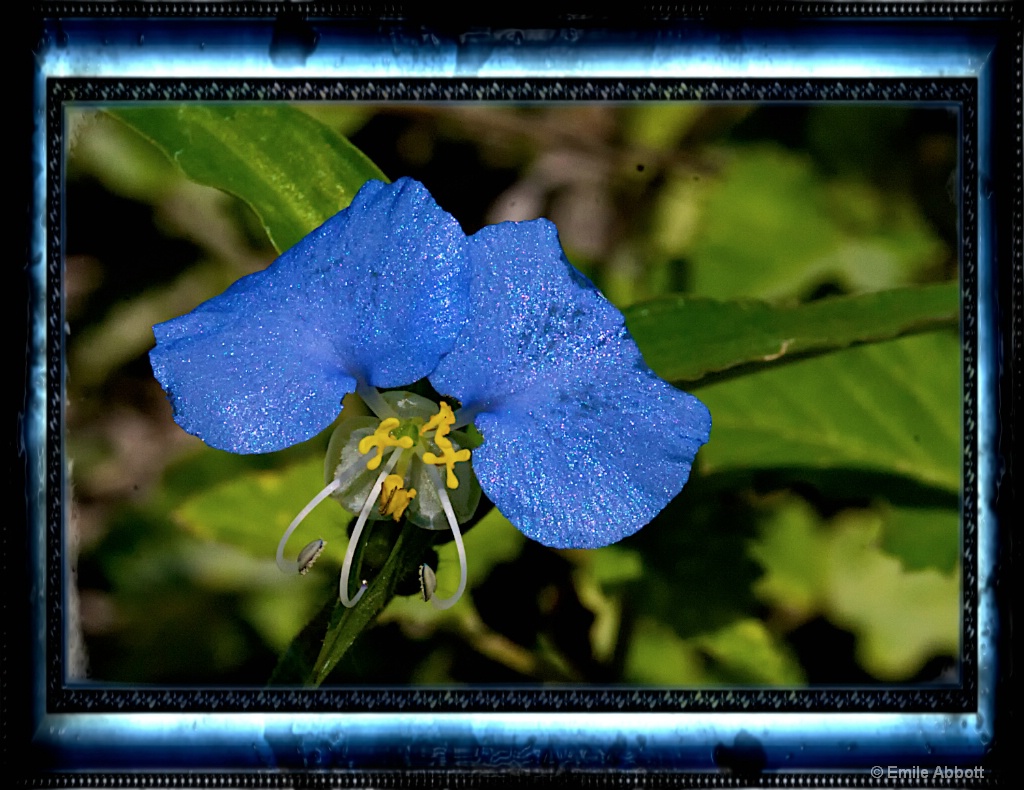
<point x="372" y="398"/>
<point x="295" y="567"/>
<point x="350" y="552"/>
<point x="466" y="415"/>
<point x="445" y="603"/>
<point x="326" y="491"/>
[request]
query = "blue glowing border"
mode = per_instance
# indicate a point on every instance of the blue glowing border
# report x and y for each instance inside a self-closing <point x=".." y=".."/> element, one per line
<point x="104" y="59"/>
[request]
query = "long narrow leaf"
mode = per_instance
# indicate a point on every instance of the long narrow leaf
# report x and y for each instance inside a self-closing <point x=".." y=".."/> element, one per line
<point x="293" y="171"/>
<point x="685" y="338"/>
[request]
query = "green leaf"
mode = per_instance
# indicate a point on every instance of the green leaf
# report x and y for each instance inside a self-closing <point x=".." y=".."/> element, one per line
<point x="252" y="511"/>
<point x="344" y="118"/>
<point x="689" y="555"/>
<point x="893" y="408"/>
<point x="770" y="227"/>
<point x="294" y="664"/>
<point x="901" y="617"/>
<point x="793" y="550"/>
<point x="293" y="171"/>
<point x="684" y="338"/>
<point x="902" y="614"/>
<point x="660" y="126"/>
<point x="237" y="524"/>
<point x="116" y="156"/>
<point x="746" y="652"/>
<point x="614" y="565"/>
<point x="923" y="537"/>
<point x="741" y="653"/>
<point x="659" y="657"/>
<point x="348" y="623"/>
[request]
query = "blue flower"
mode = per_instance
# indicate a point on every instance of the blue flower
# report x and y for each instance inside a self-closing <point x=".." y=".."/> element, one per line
<point x="374" y="297"/>
<point x="582" y="443"/>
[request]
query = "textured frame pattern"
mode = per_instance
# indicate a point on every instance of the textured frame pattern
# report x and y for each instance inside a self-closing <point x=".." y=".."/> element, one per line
<point x="77" y="699"/>
<point x="963" y="93"/>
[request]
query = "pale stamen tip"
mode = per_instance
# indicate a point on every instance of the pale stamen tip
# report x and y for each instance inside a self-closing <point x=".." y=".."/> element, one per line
<point x="311" y="550"/>
<point x="309" y="554"/>
<point x="428" y="582"/>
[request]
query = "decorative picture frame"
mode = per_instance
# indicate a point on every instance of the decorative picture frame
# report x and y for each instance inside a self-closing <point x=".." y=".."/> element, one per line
<point x="965" y="57"/>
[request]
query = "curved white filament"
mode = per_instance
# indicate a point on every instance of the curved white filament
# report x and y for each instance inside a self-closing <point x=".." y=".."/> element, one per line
<point x="326" y="491"/>
<point x="445" y="603"/>
<point x="353" y="541"/>
<point x="295" y="567"/>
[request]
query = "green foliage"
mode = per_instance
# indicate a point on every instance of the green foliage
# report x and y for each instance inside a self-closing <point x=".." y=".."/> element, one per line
<point x="769" y="228"/>
<point x="890" y="407"/>
<point x="829" y="489"/>
<point x="743" y="653"/>
<point x="840" y="569"/>
<point x="251" y="511"/>
<point x="291" y="169"/>
<point x="724" y="335"/>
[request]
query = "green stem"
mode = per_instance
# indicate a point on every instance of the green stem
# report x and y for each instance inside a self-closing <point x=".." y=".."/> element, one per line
<point x="346" y="624"/>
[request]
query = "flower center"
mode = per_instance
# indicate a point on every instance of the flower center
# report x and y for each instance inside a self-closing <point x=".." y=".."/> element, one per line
<point x="409" y="440"/>
<point x="436" y="429"/>
<point x="387" y="468"/>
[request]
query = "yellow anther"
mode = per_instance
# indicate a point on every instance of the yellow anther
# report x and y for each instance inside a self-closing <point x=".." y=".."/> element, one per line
<point x="449" y="457"/>
<point x="382" y="438"/>
<point x="391" y="484"/>
<point x="441" y="423"/>
<point x="394" y="499"/>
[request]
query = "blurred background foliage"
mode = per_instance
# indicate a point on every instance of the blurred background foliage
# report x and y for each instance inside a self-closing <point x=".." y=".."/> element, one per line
<point x="817" y="542"/>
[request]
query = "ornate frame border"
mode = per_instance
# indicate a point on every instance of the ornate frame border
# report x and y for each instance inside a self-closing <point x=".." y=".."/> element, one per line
<point x="962" y="55"/>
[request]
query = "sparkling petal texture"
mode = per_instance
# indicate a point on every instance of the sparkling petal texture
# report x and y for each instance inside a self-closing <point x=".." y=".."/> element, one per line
<point x="583" y="444"/>
<point x="378" y="293"/>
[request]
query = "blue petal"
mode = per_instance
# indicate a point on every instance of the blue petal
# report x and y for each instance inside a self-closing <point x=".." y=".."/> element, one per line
<point x="583" y="444"/>
<point x="376" y="294"/>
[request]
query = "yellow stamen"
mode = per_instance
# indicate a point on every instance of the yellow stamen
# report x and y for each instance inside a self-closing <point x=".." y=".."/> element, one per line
<point x="394" y="499"/>
<point x="448" y="460"/>
<point x="382" y="439"/>
<point x="443" y="422"/>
